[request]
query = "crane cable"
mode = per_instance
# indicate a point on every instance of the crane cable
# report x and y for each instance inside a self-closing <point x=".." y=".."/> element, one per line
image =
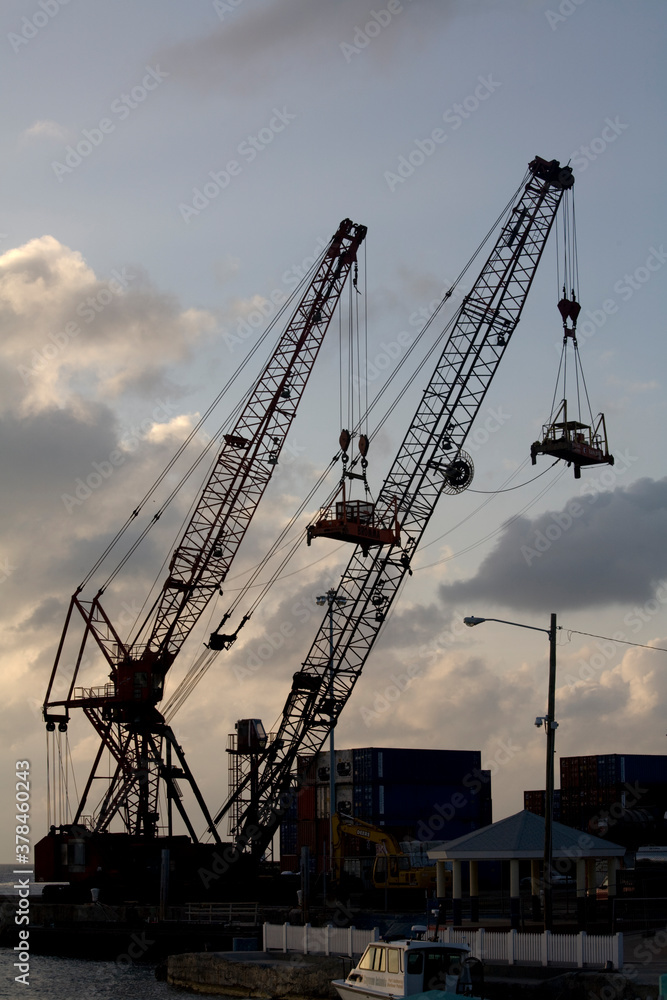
<point x="194" y="432"/>
<point x="205" y="659"/>
<point x="227" y="423"/>
<point x="570" y="280"/>
<point x="231" y="381"/>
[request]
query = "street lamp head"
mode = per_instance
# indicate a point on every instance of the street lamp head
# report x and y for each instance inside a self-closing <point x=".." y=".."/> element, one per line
<point x="321" y="599"/>
<point x="472" y="621"/>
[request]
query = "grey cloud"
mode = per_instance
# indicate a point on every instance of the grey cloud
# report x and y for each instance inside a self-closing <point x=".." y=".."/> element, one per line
<point x="255" y="45"/>
<point x="599" y="549"/>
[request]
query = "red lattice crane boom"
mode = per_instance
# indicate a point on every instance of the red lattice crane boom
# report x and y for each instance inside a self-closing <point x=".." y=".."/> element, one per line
<point x="124" y="712"/>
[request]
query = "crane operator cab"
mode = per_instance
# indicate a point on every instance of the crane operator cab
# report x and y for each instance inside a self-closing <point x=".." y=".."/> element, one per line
<point x="359" y="521"/>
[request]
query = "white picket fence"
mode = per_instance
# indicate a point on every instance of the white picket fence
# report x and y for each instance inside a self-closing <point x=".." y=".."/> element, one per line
<point x="517" y="948"/>
<point x="511" y="947"/>
<point x="309" y="940"/>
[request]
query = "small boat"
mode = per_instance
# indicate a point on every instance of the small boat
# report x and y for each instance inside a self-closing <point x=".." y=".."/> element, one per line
<point x="406" y="968"/>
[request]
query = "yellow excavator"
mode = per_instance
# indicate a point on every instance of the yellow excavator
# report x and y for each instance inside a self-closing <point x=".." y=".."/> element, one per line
<point x="393" y="868"/>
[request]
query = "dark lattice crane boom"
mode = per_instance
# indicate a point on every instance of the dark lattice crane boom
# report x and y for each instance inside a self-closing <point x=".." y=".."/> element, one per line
<point x="430" y="461"/>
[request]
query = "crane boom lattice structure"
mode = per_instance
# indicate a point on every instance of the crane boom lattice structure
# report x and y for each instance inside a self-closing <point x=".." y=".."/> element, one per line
<point x="429" y="462"/>
<point x="124" y="712"/>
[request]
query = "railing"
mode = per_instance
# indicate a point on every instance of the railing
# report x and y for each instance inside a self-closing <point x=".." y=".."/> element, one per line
<point x="238" y="914"/>
<point x="309" y="940"/>
<point x="511" y="947"/>
<point x="573" y="950"/>
<point x="84" y="694"/>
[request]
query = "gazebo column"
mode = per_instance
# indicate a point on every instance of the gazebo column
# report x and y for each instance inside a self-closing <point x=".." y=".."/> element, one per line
<point x="591" y="897"/>
<point x="474" y="892"/>
<point x="441" y="889"/>
<point x="457" y="903"/>
<point x="515" y="902"/>
<point x="581" y="893"/>
<point x="612" y="869"/>
<point x="535" y="889"/>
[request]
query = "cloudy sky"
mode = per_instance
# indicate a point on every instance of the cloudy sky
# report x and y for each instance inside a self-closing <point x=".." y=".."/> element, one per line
<point x="168" y="167"/>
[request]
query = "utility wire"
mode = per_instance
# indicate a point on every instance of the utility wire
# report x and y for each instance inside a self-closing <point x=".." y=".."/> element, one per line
<point x="625" y="642"/>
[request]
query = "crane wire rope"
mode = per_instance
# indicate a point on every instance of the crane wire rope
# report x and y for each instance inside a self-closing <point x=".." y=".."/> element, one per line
<point x="216" y="401"/>
<point x="277" y="573"/>
<point x="204" y="661"/>
<point x="570" y="280"/>
<point x="198" y="427"/>
<point x="506" y="209"/>
<point x="227" y="422"/>
<point x="496" y="531"/>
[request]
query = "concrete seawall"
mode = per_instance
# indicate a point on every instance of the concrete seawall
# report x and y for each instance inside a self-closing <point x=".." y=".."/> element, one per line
<point x="271" y="975"/>
<point x="256" y="974"/>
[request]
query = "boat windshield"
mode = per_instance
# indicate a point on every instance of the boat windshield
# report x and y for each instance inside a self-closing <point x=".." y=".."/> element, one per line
<point x="381" y="959"/>
<point x="373" y="958"/>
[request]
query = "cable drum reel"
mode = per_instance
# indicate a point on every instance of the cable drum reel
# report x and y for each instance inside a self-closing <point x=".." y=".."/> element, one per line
<point x="458" y="474"/>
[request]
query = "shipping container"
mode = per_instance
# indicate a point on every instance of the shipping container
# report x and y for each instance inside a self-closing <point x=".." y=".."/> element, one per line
<point x="415" y="766"/>
<point x="288" y="838"/>
<point x="306" y="802"/>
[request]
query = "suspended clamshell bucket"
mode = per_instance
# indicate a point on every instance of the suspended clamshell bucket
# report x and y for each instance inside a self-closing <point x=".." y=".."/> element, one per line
<point x="357" y="521"/>
<point x="574" y="442"/>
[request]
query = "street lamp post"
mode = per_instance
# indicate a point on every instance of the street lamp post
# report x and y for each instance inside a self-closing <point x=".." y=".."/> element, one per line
<point x="550" y="726"/>
<point x="332" y="600"/>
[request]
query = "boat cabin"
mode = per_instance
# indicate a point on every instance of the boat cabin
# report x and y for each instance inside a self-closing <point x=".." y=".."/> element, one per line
<point x="399" y="969"/>
<point x="576" y="443"/>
